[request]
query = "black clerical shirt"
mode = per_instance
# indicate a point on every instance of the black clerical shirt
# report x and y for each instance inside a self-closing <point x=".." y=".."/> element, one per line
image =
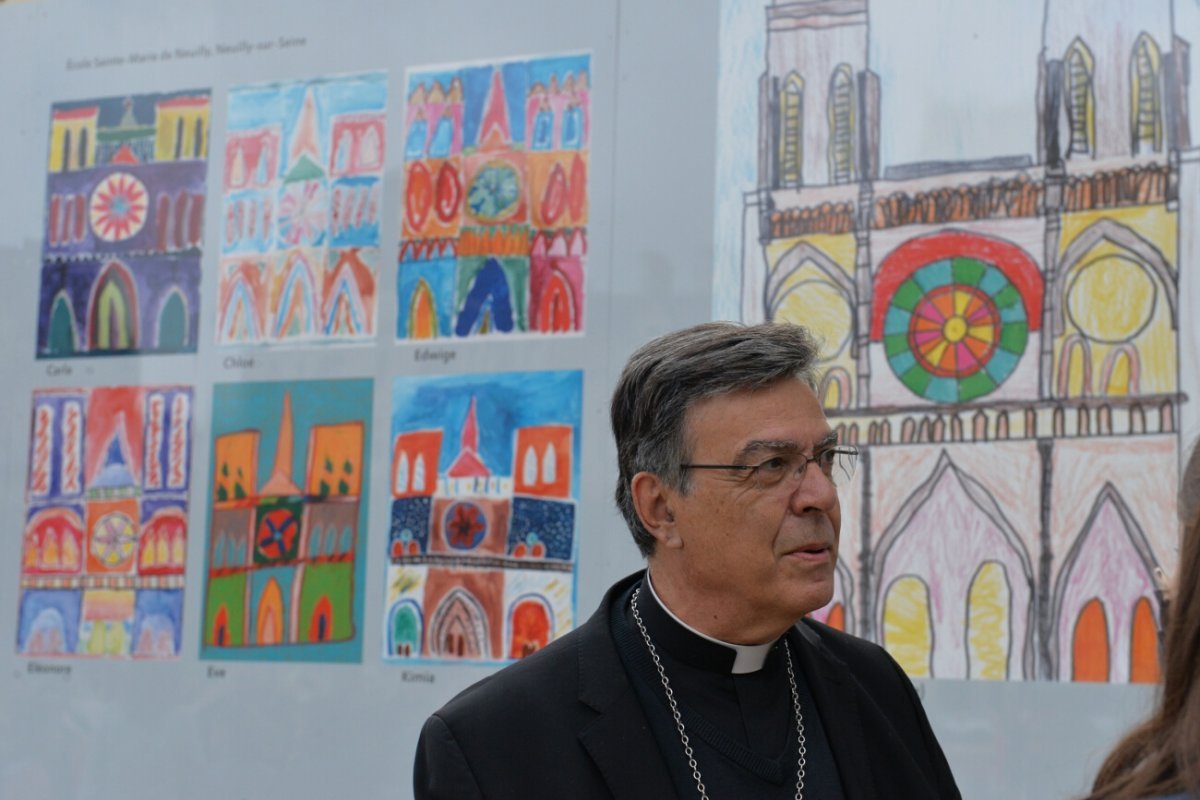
<point x="741" y="726"/>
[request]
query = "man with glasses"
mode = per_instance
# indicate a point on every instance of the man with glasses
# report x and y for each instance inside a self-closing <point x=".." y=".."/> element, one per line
<point x="701" y="676"/>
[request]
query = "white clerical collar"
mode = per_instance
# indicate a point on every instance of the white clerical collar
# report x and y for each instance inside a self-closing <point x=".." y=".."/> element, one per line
<point x="748" y="658"/>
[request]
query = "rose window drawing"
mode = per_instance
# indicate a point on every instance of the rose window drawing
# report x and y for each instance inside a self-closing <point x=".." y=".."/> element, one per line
<point x="465" y="526"/>
<point x="113" y="539"/>
<point x="495" y="192"/>
<point x="955" y="330"/>
<point x="118" y="207"/>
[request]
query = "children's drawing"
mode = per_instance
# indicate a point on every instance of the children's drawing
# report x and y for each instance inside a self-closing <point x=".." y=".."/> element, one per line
<point x="105" y="541"/>
<point x="495" y="199"/>
<point x="998" y="293"/>
<point x="124" y="224"/>
<point x="287" y="521"/>
<point x="303" y="176"/>
<point x="485" y="481"/>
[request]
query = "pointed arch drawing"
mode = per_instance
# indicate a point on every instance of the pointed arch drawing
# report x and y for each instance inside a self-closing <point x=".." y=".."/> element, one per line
<point x="1145" y="101"/>
<point x="296" y="313"/>
<point x="835" y="390"/>
<point x="989" y="623"/>
<point x="459" y="628"/>
<point x="62" y="337"/>
<point x="320" y="624"/>
<point x="908" y="626"/>
<point x="1143" y="645"/>
<point x="842" y="125"/>
<point x="1120" y="372"/>
<point x="171" y="333"/>
<point x="557" y="307"/>
<point x="405" y="626"/>
<point x="345" y="313"/>
<point x="113" y="310"/>
<point x="240" y="320"/>
<point x="795" y="259"/>
<point x="488" y="304"/>
<point x="1091" y="659"/>
<point x="269" y="618"/>
<point x="1075" y="367"/>
<point x="422" y="313"/>
<point x="1113" y="232"/>
<point x="1109" y="561"/>
<point x="791" y="132"/>
<point x="951" y="500"/>
<point x="1080" y="96"/>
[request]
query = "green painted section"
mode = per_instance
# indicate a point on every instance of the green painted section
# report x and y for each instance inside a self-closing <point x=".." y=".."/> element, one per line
<point x="967" y="271"/>
<point x="230" y="591"/>
<point x="335" y="581"/>
<point x="1014" y="336"/>
<point x="907" y="295"/>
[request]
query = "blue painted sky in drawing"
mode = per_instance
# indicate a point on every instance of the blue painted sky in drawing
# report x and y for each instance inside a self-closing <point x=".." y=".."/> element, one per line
<point x="517" y="77"/>
<point x="280" y="103"/>
<point x="506" y="401"/>
<point x="257" y="406"/>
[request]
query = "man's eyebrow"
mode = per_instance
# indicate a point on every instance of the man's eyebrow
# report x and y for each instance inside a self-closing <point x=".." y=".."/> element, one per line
<point x="758" y="446"/>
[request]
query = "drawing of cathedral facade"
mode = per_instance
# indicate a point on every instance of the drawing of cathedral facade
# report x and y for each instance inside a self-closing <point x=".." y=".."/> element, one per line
<point x="1002" y="340"/>
<point x="495" y="199"/>
<point x="303" y="171"/>
<point x="283" y="557"/>
<point x="124" y="224"/>
<point x="481" y="561"/>
<point x="105" y="539"/>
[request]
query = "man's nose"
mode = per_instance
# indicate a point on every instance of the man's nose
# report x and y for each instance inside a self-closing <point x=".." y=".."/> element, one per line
<point x="814" y="491"/>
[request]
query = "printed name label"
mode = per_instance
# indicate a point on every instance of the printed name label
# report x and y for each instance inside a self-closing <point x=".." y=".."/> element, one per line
<point x="54" y="370"/>
<point x="238" y="362"/>
<point x="215" y="672"/>
<point x="40" y="668"/>
<point x="408" y="676"/>
<point x="427" y="354"/>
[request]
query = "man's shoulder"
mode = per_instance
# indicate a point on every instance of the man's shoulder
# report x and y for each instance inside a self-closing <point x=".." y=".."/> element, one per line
<point x="547" y="673"/>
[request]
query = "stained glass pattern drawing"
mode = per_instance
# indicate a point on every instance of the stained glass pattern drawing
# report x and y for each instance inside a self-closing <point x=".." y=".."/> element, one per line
<point x="485" y="482"/>
<point x="124" y="225"/>
<point x="105" y="538"/>
<point x="495" y="214"/>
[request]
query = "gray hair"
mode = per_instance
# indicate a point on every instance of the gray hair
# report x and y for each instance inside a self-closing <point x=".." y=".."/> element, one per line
<point x="664" y="378"/>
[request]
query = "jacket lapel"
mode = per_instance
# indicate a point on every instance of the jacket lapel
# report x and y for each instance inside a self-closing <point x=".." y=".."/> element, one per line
<point x="836" y="700"/>
<point x="619" y="739"/>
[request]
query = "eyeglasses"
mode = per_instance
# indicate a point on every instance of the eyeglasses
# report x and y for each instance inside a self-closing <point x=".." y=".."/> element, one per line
<point x="837" y="464"/>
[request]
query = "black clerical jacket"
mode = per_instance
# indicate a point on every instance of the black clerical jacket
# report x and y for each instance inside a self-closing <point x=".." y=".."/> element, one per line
<point x="566" y="723"/>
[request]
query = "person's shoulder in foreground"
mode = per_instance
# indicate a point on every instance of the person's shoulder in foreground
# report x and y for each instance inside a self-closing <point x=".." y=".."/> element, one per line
<point x="693" y="678"/>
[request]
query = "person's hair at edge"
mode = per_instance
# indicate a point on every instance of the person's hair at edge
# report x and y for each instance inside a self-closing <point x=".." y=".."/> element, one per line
<point x="666" y="376"/>
<point x="1162" y="755"/>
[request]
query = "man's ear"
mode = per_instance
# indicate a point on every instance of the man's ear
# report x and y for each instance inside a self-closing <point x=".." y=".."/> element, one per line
<point x="652" y="499"/>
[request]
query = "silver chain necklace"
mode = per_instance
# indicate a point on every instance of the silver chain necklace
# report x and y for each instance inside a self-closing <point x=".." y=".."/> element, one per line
<point x="683" y="737"/>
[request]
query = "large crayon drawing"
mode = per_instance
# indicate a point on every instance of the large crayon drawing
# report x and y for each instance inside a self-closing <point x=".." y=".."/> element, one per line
<point x="124" y="225"/>
<point x="287" y="522"/>
<point x="303" y="173"/>
<point x="485" y="481"/>
<point x="105" y="539"/>
<point x="1002" y="326"/>
<point x="495" y="199"/>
